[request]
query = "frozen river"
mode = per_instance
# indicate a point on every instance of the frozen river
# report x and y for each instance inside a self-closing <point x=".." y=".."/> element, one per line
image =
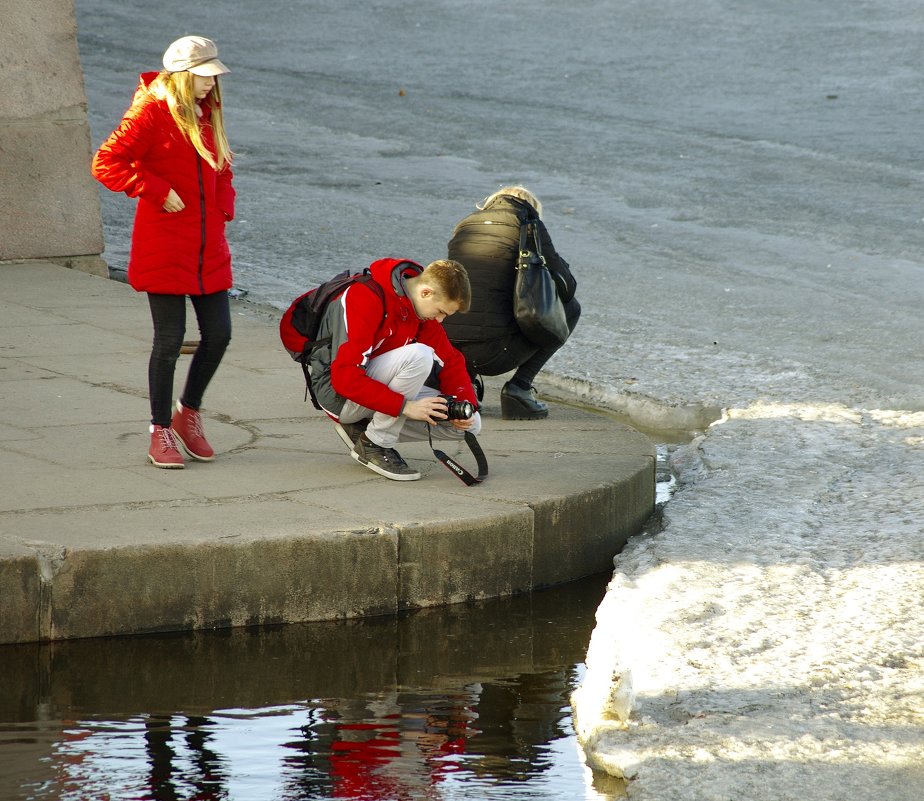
<point x="737" y="186"/>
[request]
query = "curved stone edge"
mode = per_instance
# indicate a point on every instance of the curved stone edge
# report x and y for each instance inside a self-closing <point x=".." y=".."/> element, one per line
<point x="322" y="575"/>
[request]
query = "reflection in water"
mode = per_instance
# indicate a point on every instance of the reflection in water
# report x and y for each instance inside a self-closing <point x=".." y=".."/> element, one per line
<point x="452" y="703"/>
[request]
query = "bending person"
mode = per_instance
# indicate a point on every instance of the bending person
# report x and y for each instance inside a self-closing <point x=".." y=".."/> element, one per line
<point x="487" y="242"/>
<point x="377" y="378"/>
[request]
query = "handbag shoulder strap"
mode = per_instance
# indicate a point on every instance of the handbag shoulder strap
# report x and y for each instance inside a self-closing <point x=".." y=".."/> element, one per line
<point x="524" y="233"/>
<point x="528" y="226"/>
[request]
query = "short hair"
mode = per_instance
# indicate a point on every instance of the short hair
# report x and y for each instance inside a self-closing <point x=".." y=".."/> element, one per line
<point x="519" y="192"/>
<point x="449" y="278"/>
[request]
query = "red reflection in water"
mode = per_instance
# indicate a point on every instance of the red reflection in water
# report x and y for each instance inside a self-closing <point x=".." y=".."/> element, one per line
<point x="362" y="754"/>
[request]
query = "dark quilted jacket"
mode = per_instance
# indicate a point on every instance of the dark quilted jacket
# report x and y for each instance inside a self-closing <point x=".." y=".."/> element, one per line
<point x="486" y="243"/>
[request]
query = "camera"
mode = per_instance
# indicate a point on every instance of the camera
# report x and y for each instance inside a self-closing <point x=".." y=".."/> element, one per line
<point x="458" y="409"/>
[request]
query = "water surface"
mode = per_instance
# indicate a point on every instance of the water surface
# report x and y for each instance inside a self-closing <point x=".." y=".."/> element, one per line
<point x="469" y="701"/>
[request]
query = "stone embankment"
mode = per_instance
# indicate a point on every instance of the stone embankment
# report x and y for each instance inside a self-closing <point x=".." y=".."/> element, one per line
<point x="283" y="526"/>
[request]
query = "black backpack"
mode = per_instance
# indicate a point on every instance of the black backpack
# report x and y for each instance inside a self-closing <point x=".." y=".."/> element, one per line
<point x="299" y="326"/>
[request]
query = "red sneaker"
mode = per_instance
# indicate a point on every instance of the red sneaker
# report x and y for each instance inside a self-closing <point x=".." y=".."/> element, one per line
<point x="164" y="450"/>
<point x="187" y="425"/>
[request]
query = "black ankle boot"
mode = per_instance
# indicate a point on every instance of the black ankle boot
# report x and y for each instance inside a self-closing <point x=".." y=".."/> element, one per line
<point x="521" y="404"/>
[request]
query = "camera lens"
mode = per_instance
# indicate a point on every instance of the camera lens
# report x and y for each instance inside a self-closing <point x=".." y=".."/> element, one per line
<point x="458" y="409"/>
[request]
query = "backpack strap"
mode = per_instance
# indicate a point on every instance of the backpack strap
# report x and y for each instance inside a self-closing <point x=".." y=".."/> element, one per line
<point x="304" y="359"/>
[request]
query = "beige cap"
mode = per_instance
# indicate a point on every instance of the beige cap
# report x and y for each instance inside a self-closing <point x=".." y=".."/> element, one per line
<point x="194" y="54"/>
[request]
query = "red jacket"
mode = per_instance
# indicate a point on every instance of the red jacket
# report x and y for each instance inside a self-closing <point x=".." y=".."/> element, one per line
<point x="360" y="329"/>
<point x="181" y="253"/>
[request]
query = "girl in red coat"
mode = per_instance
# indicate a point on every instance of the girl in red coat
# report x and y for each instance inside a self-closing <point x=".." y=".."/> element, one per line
<point x="171" y="152"/>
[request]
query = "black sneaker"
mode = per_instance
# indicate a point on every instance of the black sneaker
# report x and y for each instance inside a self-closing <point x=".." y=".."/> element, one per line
<point x="384" y="461"/>
<point x="350" y="432"/>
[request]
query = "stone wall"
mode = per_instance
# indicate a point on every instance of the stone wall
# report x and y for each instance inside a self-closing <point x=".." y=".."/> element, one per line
<point x="49" y="204"/>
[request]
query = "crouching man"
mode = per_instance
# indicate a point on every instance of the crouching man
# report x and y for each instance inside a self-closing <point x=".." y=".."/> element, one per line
<point x="384" y="346"/>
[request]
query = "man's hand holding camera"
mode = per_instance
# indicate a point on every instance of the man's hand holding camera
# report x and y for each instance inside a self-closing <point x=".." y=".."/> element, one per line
<point x="437" y="408"/>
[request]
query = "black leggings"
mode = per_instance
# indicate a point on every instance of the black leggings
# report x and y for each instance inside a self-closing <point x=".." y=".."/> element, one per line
<point x="168" y="313"/>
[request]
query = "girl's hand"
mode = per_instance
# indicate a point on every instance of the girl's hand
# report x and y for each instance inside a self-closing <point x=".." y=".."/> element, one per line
<point x="173" y="202"/>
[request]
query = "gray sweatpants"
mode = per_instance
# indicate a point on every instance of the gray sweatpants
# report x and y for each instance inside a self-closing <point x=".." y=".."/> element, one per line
<point x="404" y="370"/>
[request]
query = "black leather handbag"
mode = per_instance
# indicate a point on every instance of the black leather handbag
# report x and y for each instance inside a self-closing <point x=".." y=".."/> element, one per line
<point x="537" y="307"/>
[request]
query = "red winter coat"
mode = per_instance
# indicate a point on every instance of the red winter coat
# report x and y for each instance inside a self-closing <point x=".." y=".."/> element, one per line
<point x="180" y="253"/>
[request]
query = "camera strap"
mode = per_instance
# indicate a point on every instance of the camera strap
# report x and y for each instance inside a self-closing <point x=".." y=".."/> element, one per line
<point x="472" y="441"/>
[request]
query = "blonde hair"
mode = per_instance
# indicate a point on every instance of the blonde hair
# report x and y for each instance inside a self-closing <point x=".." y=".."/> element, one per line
<point x="176" y="89"/>
<point x="450" y="280"/>
<point x="518" y="192"/>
